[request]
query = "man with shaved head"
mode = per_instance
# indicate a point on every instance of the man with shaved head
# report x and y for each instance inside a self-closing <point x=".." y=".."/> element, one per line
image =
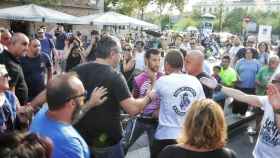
<point x="10" y="58"/>
<point x="36" y="66"/>
<point x="194" y="61"/>
<point x="5" y="39"/>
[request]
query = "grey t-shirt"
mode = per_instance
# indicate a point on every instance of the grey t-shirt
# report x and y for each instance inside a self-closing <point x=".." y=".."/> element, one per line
<point x="268" y="143"/>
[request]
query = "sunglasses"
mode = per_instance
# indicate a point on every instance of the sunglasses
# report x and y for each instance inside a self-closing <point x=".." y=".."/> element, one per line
<point x="77" y="96"/>
<point x="275" y="81"/>
<point x="127" y="49"/>
<point x="6" y="76"/>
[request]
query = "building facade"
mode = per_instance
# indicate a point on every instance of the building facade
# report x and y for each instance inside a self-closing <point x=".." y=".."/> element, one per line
<point x="72" y="7"/>
<point x="213" y="6"/>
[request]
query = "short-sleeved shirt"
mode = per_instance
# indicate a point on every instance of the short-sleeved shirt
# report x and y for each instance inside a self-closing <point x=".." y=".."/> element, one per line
<point x="141" y="85"/>
<point x="263" y="76"/>
<point x="47" y="46"/>
<point x="241" y="53"/>
<point x="228" y="76"/>
<point x="176" y="92"/>
<point x="100" y="127"/>
<point x="60" y="39"/>
<point x="8" y="112"/>
<point x="247" y="71"/>
<point x="207" y="91"/>
<point x="179" y="152"/>
<point x="66" y="140"/>
<point x="34" y="70"/>
<point x="268" y="143"/>
<point x="16" y="74"/>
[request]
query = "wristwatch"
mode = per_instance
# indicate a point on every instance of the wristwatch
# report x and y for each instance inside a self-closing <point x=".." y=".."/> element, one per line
<point x="277" y="111"/>
<point x="219" y="87"/>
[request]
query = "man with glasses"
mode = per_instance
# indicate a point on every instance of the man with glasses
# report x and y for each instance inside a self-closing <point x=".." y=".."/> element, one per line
<point x="65" y="99"/>
<point x="268" y="143"/>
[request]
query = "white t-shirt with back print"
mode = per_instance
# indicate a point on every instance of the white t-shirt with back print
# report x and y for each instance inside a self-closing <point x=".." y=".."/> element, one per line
<point x="176" y="92"/>
<point x="268" y="143"/>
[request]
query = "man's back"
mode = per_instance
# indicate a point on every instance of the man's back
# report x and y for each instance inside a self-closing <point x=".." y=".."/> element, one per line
<point x="100" y="127"/>
<point x="66" y="140"/>
<point x="176" y="92"/>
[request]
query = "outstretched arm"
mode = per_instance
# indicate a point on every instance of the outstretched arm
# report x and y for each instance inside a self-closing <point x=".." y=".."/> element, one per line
<point x="236" y="94"/>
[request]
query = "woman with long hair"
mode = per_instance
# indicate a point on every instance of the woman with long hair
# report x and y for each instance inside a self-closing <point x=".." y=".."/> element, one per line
<point x="263" y="50"/>
<point x="204" y="134"/>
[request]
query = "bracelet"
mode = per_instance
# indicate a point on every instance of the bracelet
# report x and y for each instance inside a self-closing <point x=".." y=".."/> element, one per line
<point x="276" y="111"/>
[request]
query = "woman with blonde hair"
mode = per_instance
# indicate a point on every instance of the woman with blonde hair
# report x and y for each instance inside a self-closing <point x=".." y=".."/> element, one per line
<point x="204" y="134"/>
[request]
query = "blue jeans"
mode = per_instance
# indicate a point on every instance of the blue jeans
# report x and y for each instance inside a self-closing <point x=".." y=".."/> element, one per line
<point x="115" y="151"/>
<point x="218" y="96"/>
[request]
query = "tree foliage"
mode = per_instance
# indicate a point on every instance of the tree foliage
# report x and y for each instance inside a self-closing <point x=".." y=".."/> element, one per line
<point x="234" y="20"/>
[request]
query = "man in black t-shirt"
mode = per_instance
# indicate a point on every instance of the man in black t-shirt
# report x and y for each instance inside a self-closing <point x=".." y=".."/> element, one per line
<point x="194" y="66"/>
<point x="36" y="65"/>
<point x="100" y="127"/>
<point x="10" y="58"/>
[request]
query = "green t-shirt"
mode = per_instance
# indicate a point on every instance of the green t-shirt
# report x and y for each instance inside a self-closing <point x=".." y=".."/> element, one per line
<point x="263" y="76"/>
<point x="228" y="76"/>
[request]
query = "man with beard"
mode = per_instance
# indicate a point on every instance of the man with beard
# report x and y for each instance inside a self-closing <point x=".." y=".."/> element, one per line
<point x="36" y="65"/>
<point x="176" y="92"/>
<point x="147" y="121"/>
<point x="65" y="97"/>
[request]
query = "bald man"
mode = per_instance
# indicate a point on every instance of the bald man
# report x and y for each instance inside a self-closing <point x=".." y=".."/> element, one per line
<point x="10" y="58"/>
<point x="5" y="39"/>
<point x="36" y="65"/>
<point x="194" y="61"/>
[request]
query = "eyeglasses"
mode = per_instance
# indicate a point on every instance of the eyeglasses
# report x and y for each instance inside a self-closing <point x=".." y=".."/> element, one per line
<point x="275" y="81"/>
<point x="127" y="49"/>
<point x="6" y="76"/>
<point x="77" y="96"/>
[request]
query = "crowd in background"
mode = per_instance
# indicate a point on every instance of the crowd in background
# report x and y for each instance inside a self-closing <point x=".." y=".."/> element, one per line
<point x="61" y="96"/>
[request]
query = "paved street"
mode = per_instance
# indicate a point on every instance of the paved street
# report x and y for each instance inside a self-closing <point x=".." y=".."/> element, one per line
<point x="239" y="141"/>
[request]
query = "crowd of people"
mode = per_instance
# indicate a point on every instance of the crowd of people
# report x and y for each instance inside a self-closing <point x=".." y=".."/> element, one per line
<point x="63" y="97"/>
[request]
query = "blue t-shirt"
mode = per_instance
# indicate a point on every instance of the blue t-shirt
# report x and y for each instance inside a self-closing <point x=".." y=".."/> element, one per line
<point x="46" y="46"/>
<point x="247" y="71"/>
<point x="60" y="39"/>
<point x="8" y="112"/>
<point x="66" y="140"/>
<point x="34" y="70"/>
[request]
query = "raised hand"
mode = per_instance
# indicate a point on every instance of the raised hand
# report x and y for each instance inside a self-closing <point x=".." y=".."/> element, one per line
<point x="98" y="96"/>
<point x="273" y="96"/>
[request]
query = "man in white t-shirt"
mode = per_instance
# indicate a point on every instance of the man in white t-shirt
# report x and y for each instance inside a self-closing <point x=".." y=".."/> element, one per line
<point x="139" y="56"/>
<point x="268" y="143"/>
<point x="176" y="92"/>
